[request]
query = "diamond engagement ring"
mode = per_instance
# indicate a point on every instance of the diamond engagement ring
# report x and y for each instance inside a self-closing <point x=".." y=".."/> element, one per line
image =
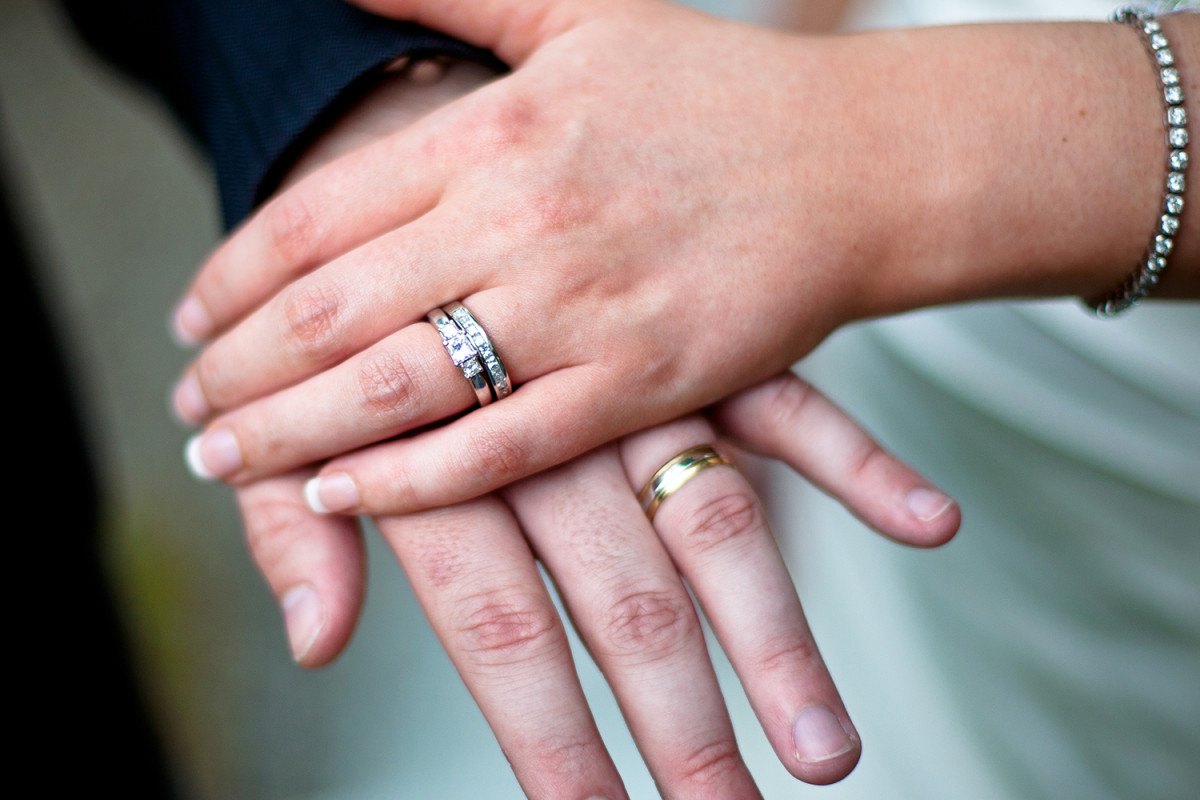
<point x="497" y="374"/>
<point x="462" y="352"/>
<point x="472" y="351"/>
<point x="672" y="476"/>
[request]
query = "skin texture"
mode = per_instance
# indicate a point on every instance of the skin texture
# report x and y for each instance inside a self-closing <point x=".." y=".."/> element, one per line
<point x="472" y="566"/>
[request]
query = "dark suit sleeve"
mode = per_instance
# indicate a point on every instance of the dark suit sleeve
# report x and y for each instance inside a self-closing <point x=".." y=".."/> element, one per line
<point x="254" y="80"/>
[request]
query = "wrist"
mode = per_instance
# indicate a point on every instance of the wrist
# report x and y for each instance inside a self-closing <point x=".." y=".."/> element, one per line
<point x="1026" y="160"/>
<point x="397" y="101"/>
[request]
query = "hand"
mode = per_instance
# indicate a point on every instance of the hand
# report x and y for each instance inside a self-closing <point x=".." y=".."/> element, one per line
<point x="618" y="292"/>
<point x="644" y="226"/>
<point x="314" y="564"/>
<point x="472" y="568"/>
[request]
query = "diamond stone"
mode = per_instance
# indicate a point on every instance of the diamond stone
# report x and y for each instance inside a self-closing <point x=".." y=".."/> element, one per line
<point x="1176" y="182"/>
<point x="1164" y="57"/>
<point x="1170" y="76"/>
<point x="1158" y="41"/>
<point x="1170" y="225"/>
<point x="1163" y="245"/>
<point x="1151" y="26"/>
<point x="1179" y="160"/>
<point x="461" y="349"/>
<point x="471" y="368"/>
<point x="1156" y="264"/>
<point x="1176" y="115"/>
<point x="1146" y="280"/>
<point x="1178" y="137"/>
<point x="1174" y="95"/>
<point x="1174" y="204"/>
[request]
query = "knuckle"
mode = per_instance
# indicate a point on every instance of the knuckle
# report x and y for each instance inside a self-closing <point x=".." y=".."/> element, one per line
<point x="730" y="516"/>
<point x="787" y="403"/>
<point x="503" y="125"/>
<point x="866" y="459"/>
<point x="312" y="312"/>
<point x="503" y="627"/>
<point x="788" y="652"/>
<point x="566" y="757"/>
<point x="386" y="383"/>
<point x="650" y="625"/>
<point x="496" y="457"/>
<point x="293" y="230"/>
<point x="710" y="763"/>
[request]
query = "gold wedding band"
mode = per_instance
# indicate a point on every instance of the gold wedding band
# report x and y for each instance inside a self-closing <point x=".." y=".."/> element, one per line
<point x="672" y="475"/>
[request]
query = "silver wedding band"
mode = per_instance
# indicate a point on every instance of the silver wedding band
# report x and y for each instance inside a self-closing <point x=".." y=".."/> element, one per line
<point x="472" y="351"/>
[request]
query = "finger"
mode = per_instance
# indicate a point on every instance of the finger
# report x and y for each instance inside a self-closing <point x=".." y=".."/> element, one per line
<point x="786" y="419"/>
<point x="535" y="428"/>
<point x="313" y="564"/>
<point x="332" y="313"/>
<point x="406" y="381"/>
<point x="476" y="579"/>
<point x="635" y="615"/>
<point x="354" y="199"/>
<point x="716" y="532"/>
<point x="513" y="29"/>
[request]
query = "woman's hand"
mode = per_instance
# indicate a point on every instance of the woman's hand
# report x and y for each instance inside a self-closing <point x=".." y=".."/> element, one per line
<point x="655" y="209"/>
<point x="625" y="226"/>
<point x="622" y="579"/>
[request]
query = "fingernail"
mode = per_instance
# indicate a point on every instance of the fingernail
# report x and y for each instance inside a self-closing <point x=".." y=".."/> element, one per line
<point x="336" y="491"/>
<point x="927" y="504"/>
<point x="304" y="616"/>
<point x="213" y="454"/>
<point x="188" y="401"/>
<point x="819" y="736"/>
<point x="191" y="324"/>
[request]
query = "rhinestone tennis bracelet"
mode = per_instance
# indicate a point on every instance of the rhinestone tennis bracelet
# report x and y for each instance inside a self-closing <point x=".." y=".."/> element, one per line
<point x="1154" y="262"/>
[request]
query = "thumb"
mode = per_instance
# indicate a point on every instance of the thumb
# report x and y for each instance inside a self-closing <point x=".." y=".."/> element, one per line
<point x="512" y="29"/>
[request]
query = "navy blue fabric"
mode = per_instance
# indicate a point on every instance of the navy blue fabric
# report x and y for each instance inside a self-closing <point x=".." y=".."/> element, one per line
<point x="253" y="80"/>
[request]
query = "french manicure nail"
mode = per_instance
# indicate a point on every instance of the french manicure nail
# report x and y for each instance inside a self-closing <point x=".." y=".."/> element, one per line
<point x="927" y="504"/>
<point x="188" y="401"/>
<point x="191" y="323"/>
<point x="214" y="454"/>
<point x="336" y="491"/>
<point x="304" y="616"/>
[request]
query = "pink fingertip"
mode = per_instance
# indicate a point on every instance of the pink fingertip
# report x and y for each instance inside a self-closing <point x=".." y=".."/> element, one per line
<point x="191" y="322"/>
<point x="188" y="401"/>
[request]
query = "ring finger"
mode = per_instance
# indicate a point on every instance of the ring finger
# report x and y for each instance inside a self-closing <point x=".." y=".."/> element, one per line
<point x="328" y="315"/>
<point x="715" y="530"/>
<point x="403" y="382"/>
<point x="635" y="616"/>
